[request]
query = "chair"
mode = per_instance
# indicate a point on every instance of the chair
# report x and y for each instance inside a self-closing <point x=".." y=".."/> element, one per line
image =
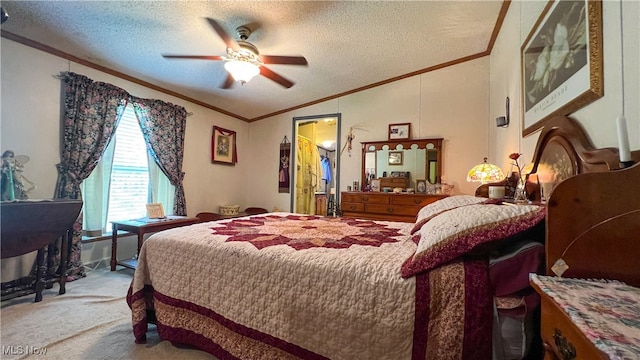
<point x="208" y="216"/>
<point x="255" y="210"/>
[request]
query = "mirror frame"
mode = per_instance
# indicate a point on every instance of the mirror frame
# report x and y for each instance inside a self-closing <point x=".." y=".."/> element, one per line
<point x="374" y="146"/>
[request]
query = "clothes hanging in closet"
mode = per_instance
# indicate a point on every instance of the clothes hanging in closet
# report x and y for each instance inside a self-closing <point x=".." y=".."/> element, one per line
<point x="326" y="168"/>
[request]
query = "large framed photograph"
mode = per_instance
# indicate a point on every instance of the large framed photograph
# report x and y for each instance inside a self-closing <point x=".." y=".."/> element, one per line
<point x="223" y="146"/>
<point x="399" y="131"/>
<point x="395" y="157"/>
<point x="562" y="61"/>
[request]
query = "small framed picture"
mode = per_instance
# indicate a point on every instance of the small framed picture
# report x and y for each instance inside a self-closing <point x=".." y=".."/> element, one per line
<point x="223" y="146"/>
<point x="421" y="186"/>
<point x="375" y="184"/>
<point x="399" y="131"/>
<point x="395" y="157"/>
<point x="155" y="211"/>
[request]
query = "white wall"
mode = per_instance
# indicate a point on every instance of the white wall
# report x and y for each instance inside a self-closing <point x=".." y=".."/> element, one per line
<point x="597" y="118"/>
<point x="452" y="103"/>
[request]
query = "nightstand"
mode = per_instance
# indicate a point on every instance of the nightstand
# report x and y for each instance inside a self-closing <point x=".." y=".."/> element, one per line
<point x="588" y="319"/>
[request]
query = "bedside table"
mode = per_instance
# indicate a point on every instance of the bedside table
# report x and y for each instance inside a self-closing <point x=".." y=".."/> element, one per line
<point x="588" y="319"/>
<point x="141" y="227"/>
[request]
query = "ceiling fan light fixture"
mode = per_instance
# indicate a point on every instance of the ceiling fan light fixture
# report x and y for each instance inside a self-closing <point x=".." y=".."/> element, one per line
<point x="242" y="71"/>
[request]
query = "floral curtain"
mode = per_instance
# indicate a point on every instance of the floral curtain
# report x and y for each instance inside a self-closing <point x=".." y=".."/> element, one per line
<point x="92" y="111"/>
<point x="163" y="127"/>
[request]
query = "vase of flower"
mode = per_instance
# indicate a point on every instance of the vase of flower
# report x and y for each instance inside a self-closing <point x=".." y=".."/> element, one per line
<point x="520" y="194"/>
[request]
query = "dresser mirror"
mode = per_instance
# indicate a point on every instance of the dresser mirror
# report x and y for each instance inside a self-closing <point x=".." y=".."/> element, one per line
<point x="417" y="159"/>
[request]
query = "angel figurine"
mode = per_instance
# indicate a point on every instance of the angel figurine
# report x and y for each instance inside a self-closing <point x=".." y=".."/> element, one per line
<point x="13" y="180"/>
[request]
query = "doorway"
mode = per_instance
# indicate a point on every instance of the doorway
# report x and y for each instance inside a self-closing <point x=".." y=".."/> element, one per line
<point x="316" y="164"/>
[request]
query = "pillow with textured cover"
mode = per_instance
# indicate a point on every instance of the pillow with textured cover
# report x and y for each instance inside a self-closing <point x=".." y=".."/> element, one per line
<point x="437" y="207"/>
<point x="460" y="230"/>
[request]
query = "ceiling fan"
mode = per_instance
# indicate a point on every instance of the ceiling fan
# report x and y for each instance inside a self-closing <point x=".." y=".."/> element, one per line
<point x="243" y="61"/>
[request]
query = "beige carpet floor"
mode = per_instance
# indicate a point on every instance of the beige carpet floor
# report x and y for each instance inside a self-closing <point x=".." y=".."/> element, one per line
<point x="90" y="322"/>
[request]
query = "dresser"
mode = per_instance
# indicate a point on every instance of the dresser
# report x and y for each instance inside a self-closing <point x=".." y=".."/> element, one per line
<point x="384" y="206"/>
<point x="588" y="319"/>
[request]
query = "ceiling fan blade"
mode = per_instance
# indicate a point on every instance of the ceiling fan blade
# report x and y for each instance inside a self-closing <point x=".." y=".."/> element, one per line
<point x="228" y="82"/>
<point x="231" y="43"/>
<point x="287" y="60"/>
<point x="275" y="77"/>
<point x="200" y="57"/>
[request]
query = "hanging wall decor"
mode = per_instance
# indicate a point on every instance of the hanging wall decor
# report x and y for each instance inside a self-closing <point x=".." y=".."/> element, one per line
<point x="562" y="62"/>
<point x="284" y="168"/>
<point x="223" y="146"/>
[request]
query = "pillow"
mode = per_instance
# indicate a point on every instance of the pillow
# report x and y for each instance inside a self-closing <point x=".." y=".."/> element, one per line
<point x="458" y="231"/>
<point x="429" y="211"/>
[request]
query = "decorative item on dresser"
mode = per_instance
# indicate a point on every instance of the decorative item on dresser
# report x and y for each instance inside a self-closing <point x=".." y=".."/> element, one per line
<point x="385" y="206"/>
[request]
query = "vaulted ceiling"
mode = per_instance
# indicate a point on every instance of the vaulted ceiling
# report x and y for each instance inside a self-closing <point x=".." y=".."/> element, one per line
<point x="349" y="45"/>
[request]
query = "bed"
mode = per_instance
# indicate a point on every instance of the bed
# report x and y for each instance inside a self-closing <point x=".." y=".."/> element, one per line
<point x="288" y="286"/>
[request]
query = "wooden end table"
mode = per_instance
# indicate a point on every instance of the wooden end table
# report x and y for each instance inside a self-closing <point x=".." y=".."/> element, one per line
<point x="141" y="227"/>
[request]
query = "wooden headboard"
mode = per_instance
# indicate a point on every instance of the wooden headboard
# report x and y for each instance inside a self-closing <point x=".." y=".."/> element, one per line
<point x="563" y="150"/>
<point x="593" y="207"/>
<point x="593" y="224"/>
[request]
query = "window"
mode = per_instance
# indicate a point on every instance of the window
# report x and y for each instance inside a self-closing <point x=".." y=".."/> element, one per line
<point x="122" y="183"/>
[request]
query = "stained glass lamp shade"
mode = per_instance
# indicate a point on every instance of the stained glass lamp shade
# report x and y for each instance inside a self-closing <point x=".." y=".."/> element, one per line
<point x="485" y="173"/>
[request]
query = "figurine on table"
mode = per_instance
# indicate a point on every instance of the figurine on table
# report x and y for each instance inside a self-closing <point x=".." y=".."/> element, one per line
<point x="13" y="179"/>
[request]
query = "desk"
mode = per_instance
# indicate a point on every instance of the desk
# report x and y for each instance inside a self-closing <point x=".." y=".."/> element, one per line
<point x="588" y="319"/>
<point x="30" y="225"/>
<point x="141" y="227"/>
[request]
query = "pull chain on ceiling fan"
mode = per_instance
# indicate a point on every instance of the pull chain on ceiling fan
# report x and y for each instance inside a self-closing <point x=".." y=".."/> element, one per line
<point x="243" y="60"/>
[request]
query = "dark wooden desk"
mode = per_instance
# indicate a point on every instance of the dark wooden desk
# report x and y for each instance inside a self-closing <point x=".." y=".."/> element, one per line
<point x="141" y="227"/>
<point x="31" y="225"/>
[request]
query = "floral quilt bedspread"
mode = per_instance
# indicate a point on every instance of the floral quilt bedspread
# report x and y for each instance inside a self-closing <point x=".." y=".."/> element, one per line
<point x="287" y="286"/>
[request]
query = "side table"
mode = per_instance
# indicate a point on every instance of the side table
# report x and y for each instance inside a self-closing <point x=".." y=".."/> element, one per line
<point x="141" y="227"/>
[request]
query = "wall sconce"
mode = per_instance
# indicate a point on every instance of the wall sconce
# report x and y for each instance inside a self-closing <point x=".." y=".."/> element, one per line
<point x="503" y="121"/>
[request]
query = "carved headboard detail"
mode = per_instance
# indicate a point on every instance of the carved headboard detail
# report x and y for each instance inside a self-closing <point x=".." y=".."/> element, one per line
<point x="564" y="150"/>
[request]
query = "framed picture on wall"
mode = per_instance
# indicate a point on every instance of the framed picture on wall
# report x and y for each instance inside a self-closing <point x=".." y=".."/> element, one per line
<point x="562" y="62"/>
<point x="399" y="131"/>
<point x="223" y="146"/>
<point x="395" y="157"/>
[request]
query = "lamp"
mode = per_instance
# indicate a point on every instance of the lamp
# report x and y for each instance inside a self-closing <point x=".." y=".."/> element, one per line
<point x="485" y="173"/>
<point x="242" y="70"/>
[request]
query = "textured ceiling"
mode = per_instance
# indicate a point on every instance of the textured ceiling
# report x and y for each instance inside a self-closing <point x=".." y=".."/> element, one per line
<point x="348" y="44"/>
